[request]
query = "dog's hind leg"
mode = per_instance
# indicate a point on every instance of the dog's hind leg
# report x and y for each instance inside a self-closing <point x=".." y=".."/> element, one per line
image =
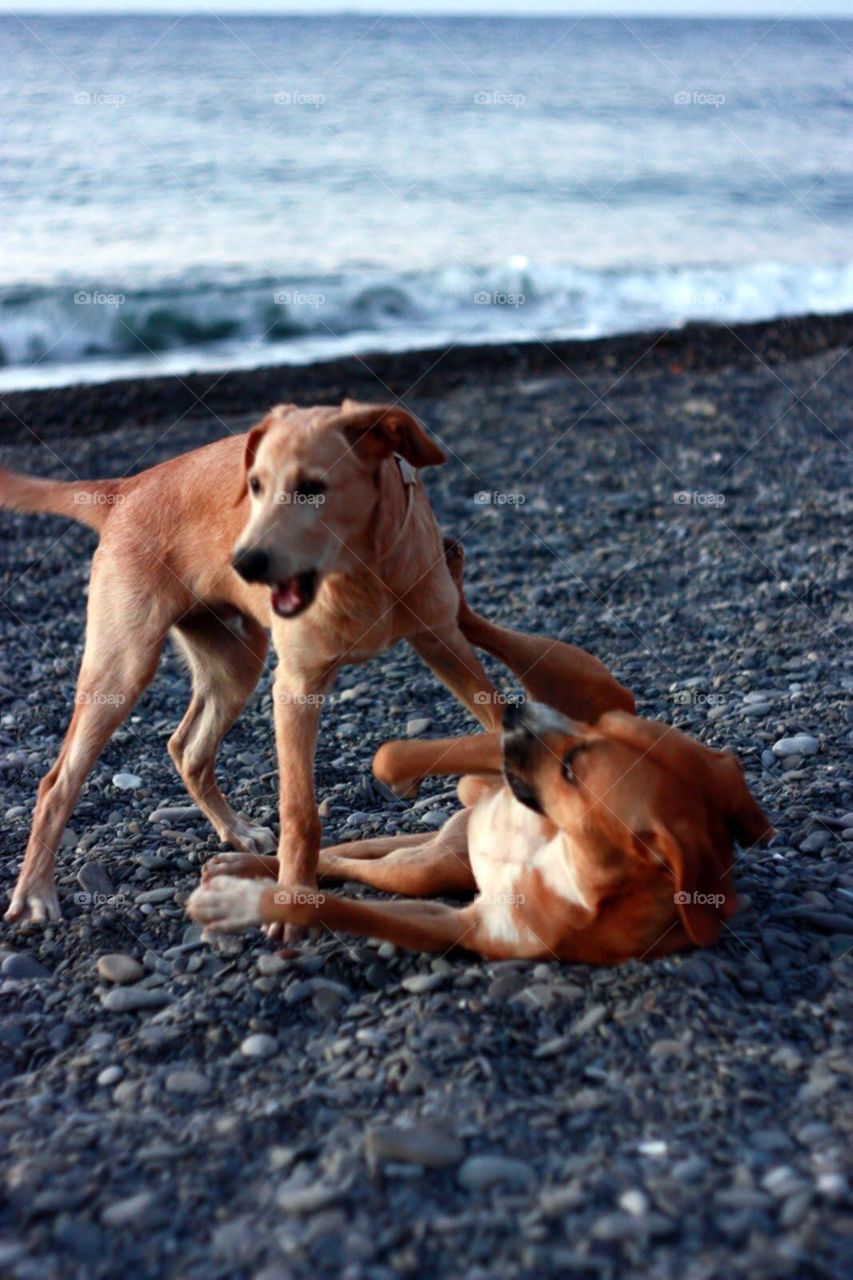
<point x="402" y="762"/>
<point x="415" y="866"/>
<point x="249" y="866"/>
<point x="225" y="659"/>
<point x="124" y="637"/>
<point x="449" y="654"/>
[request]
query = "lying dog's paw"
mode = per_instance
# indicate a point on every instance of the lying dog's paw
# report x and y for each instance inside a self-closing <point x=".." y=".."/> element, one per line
<point x="226" y="904"/>
<point x="245" y="865"/>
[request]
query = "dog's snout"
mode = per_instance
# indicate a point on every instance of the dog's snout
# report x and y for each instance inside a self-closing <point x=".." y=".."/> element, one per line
<point x="513" y="716"/>
<point x="252" y="563"/>
<point x="517" y="739"/>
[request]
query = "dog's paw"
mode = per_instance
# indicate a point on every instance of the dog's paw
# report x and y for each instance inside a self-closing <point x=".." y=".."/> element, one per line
<point x="227" y="904"/>
<point x="406" y="788"/>
<point x="38" y="905"/>
<point x="248" y="839"/>
<point x="247" y="866"/>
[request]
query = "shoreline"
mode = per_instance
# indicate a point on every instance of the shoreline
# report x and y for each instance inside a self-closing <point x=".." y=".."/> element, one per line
<point x="88" y="408"/>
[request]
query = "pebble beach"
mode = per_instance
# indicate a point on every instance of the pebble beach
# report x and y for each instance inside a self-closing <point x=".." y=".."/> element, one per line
<point x="679" y="504"/>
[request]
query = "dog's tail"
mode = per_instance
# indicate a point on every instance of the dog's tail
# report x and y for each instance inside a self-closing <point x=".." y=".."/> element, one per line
<point x="89" y="501"/>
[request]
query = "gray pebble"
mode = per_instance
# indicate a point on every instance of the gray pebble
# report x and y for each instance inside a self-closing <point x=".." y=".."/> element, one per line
<point x="259" y="1046"/>
<point x="127" y="781"/>
<point x="110" y="1076"/>
<point x="419" y="983"/>
<point x="417" y="1145"/>
<point x="129" y="1212"/>
<point x="306" y="1200"/>
<point x="118" y="968"/>
<point x="801" y="744"/>
<point x="418" y="726"/>
<point x="134" y="999"/>
<point x="190" y="1083"/>
<point x="481" y="1173"/>
<point x="93" y="878"/>
<point x="19" y="965"/>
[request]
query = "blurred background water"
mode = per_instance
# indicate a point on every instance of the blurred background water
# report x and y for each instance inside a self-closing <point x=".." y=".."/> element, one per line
<point x="190" y="192"/>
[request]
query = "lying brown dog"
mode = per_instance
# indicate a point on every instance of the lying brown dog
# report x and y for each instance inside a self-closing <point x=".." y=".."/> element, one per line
<point x="326" y="517"/>
<point x="603" y="842"/>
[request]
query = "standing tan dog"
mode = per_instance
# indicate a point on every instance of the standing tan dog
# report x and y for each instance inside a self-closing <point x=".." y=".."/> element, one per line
<point x="339" y="553"/>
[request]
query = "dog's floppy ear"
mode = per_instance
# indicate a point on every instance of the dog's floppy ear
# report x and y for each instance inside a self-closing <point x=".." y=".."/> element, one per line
<point x="376" y="431"/>
<point x="253" y="439"/>
<point x="747" y="821"/>
<point x="702" y="877"/>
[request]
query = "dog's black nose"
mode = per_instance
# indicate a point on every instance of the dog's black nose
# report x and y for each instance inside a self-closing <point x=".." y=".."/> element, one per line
<point x="513" y="716"/>
<point x="253" y="564"/>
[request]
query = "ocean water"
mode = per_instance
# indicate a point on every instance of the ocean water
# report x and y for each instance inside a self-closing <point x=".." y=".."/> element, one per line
<point x="201" y="192"/>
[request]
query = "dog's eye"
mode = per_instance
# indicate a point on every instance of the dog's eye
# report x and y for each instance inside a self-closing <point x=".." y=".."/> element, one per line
<point x="310" y="488"/>
<point x="255" y="485"/>
<point x="568" y="766"/>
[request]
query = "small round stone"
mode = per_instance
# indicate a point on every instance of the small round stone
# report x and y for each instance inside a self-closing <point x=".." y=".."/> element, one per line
<point x="127" y="781"/>
<point x="19" y="965"/>
<point x="189" y="1083"/>
<point x="118" y="968"/>
<point x="481" y="1173"/>
<point x="801" y="744"/>
<point x="259" y="1046"/>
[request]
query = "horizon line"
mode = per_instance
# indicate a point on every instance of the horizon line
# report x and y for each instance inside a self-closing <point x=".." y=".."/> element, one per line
<point x="235" y="10"/>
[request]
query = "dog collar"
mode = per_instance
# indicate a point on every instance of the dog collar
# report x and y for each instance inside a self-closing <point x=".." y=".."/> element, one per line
<point x="409" y="476"/>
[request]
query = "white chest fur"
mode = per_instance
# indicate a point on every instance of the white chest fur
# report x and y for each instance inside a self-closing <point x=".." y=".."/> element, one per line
<point x="506" y="841"/>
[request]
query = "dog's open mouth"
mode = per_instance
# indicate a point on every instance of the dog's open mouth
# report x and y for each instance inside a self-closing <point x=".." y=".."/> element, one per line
<point x="293" y="596"/>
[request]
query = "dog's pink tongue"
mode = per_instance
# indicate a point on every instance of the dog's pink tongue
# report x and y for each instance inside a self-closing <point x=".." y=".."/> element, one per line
<point x="286" y="596"/>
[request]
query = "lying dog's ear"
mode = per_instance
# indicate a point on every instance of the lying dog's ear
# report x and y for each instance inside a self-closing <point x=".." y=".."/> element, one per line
<point x="374" y="432"/>
<point x="702" y="877"/>
<point x="253" y="440"/>
<point x="747" y="821"/>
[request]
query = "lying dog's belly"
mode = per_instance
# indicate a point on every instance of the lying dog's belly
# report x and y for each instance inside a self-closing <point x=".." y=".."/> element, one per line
<point x="524" y="870"/>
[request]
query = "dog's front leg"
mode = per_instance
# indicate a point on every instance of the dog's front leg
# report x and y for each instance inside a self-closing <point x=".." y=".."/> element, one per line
<point x="228" y="905"/>
<point x="298" y="700"/>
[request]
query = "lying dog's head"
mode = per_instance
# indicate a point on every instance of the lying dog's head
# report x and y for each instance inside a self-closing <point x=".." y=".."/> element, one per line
<point x="643" y="791"/>
<point x="312" y="480"/>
